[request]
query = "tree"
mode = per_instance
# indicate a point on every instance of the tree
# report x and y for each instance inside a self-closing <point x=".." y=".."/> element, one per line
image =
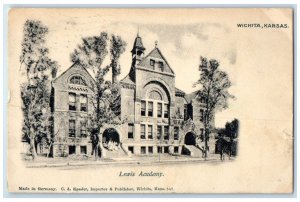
<point x="92" y="52"/>
<point x="214" y="89"/>
<point x="231" y="129"/>
<point x="35" y="92"/>
<point x="106" y="99"/>
<point x="117" y="48"/>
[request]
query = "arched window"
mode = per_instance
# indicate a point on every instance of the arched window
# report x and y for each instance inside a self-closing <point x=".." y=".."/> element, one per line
<point x="154" y="95"/>
<point x="78" y="80"/>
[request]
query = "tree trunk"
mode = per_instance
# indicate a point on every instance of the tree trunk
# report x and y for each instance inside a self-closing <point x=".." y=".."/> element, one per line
<point x="32" y="148"/>
<point x="114" y="79"/>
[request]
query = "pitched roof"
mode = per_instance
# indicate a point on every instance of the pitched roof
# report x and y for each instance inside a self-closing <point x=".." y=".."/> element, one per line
<point x="72" y="66"/>
<point x="190" y="96"/>
<point x="155" y="53"/>
<point x="127" y="80"/>
<point x="179" y="92"/>
<point x="138" y="44"/>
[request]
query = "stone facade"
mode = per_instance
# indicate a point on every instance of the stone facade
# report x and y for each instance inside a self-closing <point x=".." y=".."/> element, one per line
<point x="160" y="118"/>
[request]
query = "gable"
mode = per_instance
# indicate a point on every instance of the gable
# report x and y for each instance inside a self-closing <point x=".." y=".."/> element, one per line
<point x="76" y="70"/>
<point x="157" y="56"/>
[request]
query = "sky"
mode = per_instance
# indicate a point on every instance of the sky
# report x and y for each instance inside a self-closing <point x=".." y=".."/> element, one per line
<point x="181" y="43"/>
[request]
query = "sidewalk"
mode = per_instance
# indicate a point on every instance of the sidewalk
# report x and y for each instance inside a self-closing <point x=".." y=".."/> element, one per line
<point x="136" y="160"/>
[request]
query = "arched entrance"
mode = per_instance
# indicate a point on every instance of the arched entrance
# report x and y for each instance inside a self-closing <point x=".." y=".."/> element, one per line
<point x="190" y="139"/>
<point x="111" y="139"/>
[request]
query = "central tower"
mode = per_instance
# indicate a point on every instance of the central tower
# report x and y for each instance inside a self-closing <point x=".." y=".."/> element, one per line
<point x="137" y="52"/>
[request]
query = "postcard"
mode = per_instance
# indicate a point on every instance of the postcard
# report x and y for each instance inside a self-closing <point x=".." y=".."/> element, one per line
<point x="150" y="100"/>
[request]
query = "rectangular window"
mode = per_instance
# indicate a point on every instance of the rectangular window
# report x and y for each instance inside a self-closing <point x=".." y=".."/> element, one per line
<point x="143" y="108"/>
<point x="185" y="113"/>
<point x="83" y="150"/>
<point x="159" y="110"/>
<point x="161" y="66"/>
<point x="166" y="149"/>
<point x="72" y="101"/>
<point x="83" y="131"/>
<point x="150" y="108"/>
<point x="159" y="149"/>
<point x="152" y="63"/>
<point x="150" y="150"/>
<point x="166" y="132"/>
<point x="201" y="115"/>
<point x="143" y="150"/>
<point x="130" y="130"/>
<point x="131" y="149"/>
<point x="159" y="129"/>
<point x="71" y="128"/>
<point x="83" y="103"/>
<point x="166" y="111"/>
<point x="143" y="131"/>
<point x="176" y="133"/>
<point x="72" y="149"/>
<point x="150" y="132"/>
<point x="176" y="149"/>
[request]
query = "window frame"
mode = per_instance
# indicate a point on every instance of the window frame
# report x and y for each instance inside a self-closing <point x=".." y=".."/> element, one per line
<point x="176" y="134"/>
<point x="72" y="105"/>
<point x="130" y="135"/>
<point x="143" y="150"/>
<point x="166" y="110"/>
<point x="159" y="132"/>
<point x="143" y="110"/>
<point x="72" y="130"/>
<point x="150" y="149"/>
<point x="152" y="62"/>
<point x="150" y="132"/>
<point x="166" y="133"/>
<point x="159" y="110"/>
<point x="83" y="125"/>
<point x="82" y="104"/>
<point x="150" y="110"/>
<point x="143" y="133"/>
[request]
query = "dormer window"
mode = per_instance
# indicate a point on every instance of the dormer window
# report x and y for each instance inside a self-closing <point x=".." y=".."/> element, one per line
<point x="78" y="80"/>
<point x="152" y="63"/>
<point x="161" y="66"/>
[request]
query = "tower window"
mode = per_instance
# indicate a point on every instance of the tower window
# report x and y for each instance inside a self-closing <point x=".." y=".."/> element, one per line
<point x="152" y="63"/>
<point x="161" y="66"/>
<point x="176" y="133"/>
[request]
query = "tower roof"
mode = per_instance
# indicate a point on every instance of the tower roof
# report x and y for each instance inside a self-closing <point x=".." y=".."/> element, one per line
<point x="138" y="44"/>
